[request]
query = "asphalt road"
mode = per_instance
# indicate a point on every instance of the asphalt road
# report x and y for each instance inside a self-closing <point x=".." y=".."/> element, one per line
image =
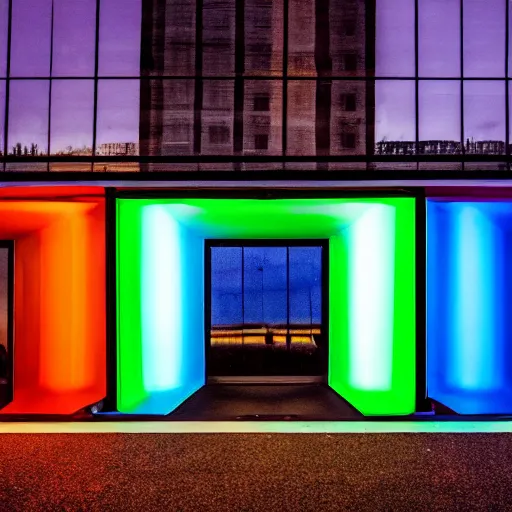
<point x="260" y="472"/>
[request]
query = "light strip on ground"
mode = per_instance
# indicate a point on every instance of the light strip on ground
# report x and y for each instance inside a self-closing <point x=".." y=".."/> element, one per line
<point x="271" y="427"/>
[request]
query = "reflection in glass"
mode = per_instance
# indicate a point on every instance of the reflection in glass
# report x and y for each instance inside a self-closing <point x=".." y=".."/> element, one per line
<point x="326" y="38"/>
<point x="301" y="38"/>
<point x="167" y="117"/>
<point x="117" y="131"/>
<point x="439" y="117"/>
<point x="72" y="117"/>
<point x="394" y="45"/>
<point x="265" y="281"/>
<point x="120" y="37"/>
<point x="219" y="37"/>
<point x="305" y="286"/>
<point x="484" y="117"/>
<point x="31" y="38"/>
<point x="439" y="38"/>
<point x="301" y="135"/>
<point x="262" y="117"/>
<point x="226" y="283"/>
<point x="395" y="117"/>
<point x="327" y="117"/>
<point x="263" y="37"/>
<point x="266" y="316"/>
<point x="484" y="38"/>
<point x="4" y="21"/>
<point x="348" y="117"/>
<point x="217" y="117"/>
<point x="28" y="117"/>
<point x="74" y="27"/>
<point x="171" y="52"/>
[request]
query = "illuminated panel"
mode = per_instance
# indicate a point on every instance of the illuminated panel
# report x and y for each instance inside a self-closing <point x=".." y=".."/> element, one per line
<point x="371" y="293"/>
<point x="59" y="298"/>
<point x="161" y="334"/>
<point x="160" y="293"/>
<point x="468" y="290"/>
<point x="371" y="350"/>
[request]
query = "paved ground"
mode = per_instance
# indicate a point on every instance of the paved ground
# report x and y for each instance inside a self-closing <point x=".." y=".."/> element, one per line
<point x="260" y="472"/>
<point x="300" y="402"/>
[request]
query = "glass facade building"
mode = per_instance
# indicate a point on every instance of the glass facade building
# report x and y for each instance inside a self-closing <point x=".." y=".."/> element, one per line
<point x="356" y="122"/>
<point x="161" y="85"/>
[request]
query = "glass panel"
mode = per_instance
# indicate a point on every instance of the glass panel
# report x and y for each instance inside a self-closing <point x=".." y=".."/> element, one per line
<point x="306" y="336"/>
<point x="120" y="37"/>
<point x="167" y="117"/>
<point x="439" y="117"/>
<point x="263" y="117"/>
<point x="263" y="37"/>
<point x="72" y="117"/>
<point x="4" y="22"/>
<point x="484" y="38"/>
<point x="265" y="301"/>
<point x="439" y="38"/>
<point x="395" y="117"/>
<point x="217" y="117"/>
<point x="31" y="38"/>
<point x="226" y="295"/>
<point x="219" y="37"/>
<point x="394" y="51"/>
<point x="484" y="117"/>
<point x="301" y="38"/>
<point x="306" y="286"/>
<point x="326" y="38"/>
<point x="171" y="51"/>
<point x="4" y="321"/>
<point x="301" y="118"/>
<point x="28" y="117"/>
<point x="347" y="114"/>
<point x="74" y="27"/>
<point x="327" y="117"/>
<point x="118" y="115"/>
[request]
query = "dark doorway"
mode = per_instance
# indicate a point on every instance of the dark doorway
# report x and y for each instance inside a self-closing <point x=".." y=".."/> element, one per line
<point x="266" y="308"/>
<point x="6" y="325"/>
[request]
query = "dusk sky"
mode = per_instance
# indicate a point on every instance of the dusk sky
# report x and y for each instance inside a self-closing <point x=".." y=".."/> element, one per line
<point x="120" y="29"/>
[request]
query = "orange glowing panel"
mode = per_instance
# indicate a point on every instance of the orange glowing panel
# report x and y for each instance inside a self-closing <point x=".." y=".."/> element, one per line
<point x="59" y="299"/>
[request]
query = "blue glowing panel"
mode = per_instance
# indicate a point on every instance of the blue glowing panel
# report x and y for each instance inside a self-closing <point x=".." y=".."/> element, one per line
<point x="468" y="289"/>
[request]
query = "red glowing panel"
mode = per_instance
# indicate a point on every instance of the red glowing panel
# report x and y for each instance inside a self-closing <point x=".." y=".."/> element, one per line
<point x="59" y="298"/>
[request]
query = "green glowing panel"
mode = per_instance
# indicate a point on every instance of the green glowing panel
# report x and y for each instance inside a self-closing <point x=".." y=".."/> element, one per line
<point x="371" y="293"/>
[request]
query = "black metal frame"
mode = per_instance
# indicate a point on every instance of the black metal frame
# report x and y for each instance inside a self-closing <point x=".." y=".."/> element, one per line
<point x="9" y="245"/>
<point x="422" y="403"/>
<point x="111" y="296"/>
<point x="267" y="242"/>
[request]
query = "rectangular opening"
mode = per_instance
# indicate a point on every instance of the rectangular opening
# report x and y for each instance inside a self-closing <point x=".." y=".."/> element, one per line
<point x="6" y="319"/>
<point x="266" y="309"/>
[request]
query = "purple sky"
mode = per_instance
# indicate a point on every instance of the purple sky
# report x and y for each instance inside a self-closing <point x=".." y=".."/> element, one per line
<point x="74" y="25"/>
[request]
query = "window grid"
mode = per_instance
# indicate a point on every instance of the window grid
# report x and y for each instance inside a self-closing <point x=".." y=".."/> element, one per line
<point x="243" y="78"/>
